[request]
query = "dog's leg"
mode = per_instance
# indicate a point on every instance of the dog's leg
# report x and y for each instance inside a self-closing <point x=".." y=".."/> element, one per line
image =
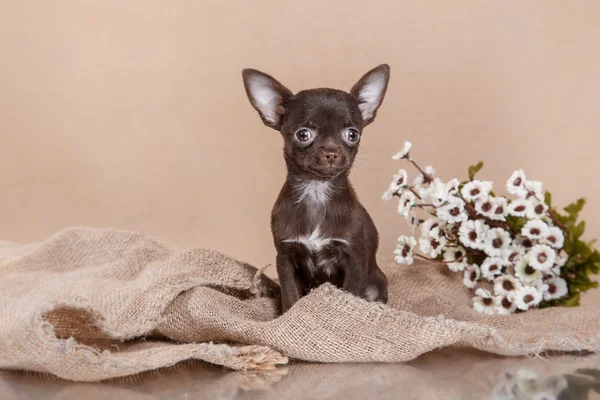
<point x="291" y="284"/>
<point x="377" y="290"/>
<point x="354" y="276"/>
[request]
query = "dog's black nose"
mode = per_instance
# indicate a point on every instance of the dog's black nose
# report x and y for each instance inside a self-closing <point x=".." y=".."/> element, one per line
<point x="331" y="157"/>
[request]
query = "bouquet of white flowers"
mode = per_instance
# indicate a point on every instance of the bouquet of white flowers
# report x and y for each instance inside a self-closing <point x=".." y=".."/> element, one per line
<point x="515" y="254"/>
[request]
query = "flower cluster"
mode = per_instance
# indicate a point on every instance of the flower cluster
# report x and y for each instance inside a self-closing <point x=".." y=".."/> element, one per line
<point x="525" y="383"/>
<point x="512" y="252"/>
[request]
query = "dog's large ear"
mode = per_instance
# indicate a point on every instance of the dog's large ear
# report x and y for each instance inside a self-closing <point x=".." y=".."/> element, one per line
<point x="267" y="96"/>
<point x="370" y="91"/>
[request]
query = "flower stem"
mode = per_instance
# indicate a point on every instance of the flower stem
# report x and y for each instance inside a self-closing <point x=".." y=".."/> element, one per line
<point x="459" y="259"/>
<point x="433" y="213"/>
<point x="440" y="261"/>
<point x="428" y="177"/>
<point x="556" y="221"/>
<point x="426" y="258"/>
<point x="470" y="209"/>
<point x="414" y="192"/>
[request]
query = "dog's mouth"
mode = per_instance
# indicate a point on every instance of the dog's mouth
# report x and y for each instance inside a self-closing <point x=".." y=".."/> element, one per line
<point x="324" y="171"/>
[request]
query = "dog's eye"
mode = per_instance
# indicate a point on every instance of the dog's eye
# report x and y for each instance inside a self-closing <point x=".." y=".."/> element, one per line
<point x="352" y="135"/>
<point x="303" y="135"/>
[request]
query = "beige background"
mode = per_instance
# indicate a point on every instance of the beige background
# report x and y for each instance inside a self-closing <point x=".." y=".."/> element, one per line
<point x="132" y="114"/>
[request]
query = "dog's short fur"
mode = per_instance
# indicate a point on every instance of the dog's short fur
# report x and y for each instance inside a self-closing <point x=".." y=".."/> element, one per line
<point x="321" y="231"/>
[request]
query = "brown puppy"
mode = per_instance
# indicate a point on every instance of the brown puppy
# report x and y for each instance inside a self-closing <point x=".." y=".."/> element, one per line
<point x="321" y="231"/>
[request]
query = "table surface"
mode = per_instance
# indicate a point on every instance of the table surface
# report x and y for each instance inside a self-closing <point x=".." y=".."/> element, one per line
<point x="447" y="374"/>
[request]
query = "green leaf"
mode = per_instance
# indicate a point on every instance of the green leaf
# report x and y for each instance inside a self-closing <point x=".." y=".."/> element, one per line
<point x="581" y="280"/>
<point x="583" y="260"/>
<point x="578" y="230"/>
<point x="473" y="169"/>
<point x="572" y="301"/>
<point x="516" y="223"/>
<point x="548" y="199"/>
<point x="574" y="208"/>
<point x="565" y="220"/>
<point x="583" y="249"/>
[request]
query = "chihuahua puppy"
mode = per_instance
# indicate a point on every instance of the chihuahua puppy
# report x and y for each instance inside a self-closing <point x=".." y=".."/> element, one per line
<point x="321" y="231"/>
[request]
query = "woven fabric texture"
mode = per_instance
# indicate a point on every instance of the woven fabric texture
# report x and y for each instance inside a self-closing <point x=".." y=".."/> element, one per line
<point x="92" y="304"/>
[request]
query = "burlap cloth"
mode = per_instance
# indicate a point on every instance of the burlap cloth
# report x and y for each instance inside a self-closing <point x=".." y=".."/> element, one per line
<point x="90" y="304"/>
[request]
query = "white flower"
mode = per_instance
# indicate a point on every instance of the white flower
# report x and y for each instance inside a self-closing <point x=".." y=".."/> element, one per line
<point x="407" y="200"/>
<point x="541" y="257"/>
<point x="535" y="229"/>
<point x="561" y="259"/>
<point x="432" y="243"/>
<point x="554" y="271"/>
<point x="485" y="207"/>
<point x="528" y="384"/>
<point x="413" y="220"/>
<point x="526" y="297"/>
<point x="527" y="273"/>
<point x="527" y="375"/>
<point x="548" y="274"/>
<point x="496" y="242"/>
<point x="472" y="233"/>
<point x="495" y="208"/>
<point x="399" y="181"/>
<point x="476" y="190"/>
<point x="435" y="193"/>
<point x="513" y="254"/>
<point x="491" y="267"/>
<point x="536" y="209"/>
<point x="452" y="187"/>
<point x="545" y="395"/>
<point x="455" y="258"/>
<point x="506" y="285"/>
<point x="557" y="288"/>
<point x="522" y="241"/>
<point x="483" y="302"/>
<point x="404" y="250"/>
<point x="554" y="238"/>
<point x="505" y="305"/>
<point x="535" y="189"/>
<point x="387" y="195"/>
<point x="531" y="385"/>
<point x="423" y="192"/>
<point x="516" y="183"/>
<point x="519" y="207"/>
<point x="438" y="192"/>
<point x="421" y="179"/>
<point x="500" y="209"/>
<point x="404" y="153"/>
<point x="453" y="211"/>
<point x="431" y="224"/>
<point x="471" y="276"/>
<point x="541" y="286"/>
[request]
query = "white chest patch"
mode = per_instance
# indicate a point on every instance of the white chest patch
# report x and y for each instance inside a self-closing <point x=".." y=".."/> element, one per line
<point x="314" y="192"/>
<point x="315" y="241"/>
